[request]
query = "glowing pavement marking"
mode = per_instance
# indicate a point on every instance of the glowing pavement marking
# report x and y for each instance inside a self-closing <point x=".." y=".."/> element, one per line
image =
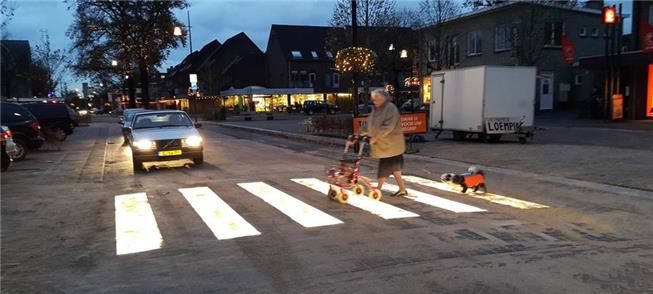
<point x="304" y="214"/>
<point x="432" y="200"/>
<point x="136" y="228"/>
<point x="224" y="222"/>
<point x="379" y="208"/>
<point x="498" y="199"/>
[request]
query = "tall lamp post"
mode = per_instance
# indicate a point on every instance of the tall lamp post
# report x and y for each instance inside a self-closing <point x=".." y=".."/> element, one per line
<point x="178" y="32"/>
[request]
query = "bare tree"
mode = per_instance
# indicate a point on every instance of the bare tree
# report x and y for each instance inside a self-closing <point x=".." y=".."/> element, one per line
<point x="6" y="14"/>
<point x="48" y="66"/>
<point x="436" y="13"/>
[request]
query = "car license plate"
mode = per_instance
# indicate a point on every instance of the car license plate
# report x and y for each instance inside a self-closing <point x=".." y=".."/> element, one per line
<point x="169" y="152"/>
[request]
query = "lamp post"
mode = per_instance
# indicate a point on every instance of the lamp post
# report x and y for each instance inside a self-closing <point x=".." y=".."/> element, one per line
<point x="193" y="87"/>
<point x="178" y="32"/>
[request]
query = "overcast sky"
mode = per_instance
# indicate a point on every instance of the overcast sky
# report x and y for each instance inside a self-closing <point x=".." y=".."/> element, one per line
<point x="210" y="19"/>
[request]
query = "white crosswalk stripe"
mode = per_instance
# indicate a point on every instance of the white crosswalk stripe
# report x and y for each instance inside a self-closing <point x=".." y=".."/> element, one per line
<point x="304" y="214"/>
<point x="498" y="199"/>
<point x="379" y="208"/>
<point x="224" y="222"/>
<point x="433" y="200"/>
<point x="136" y="227"/>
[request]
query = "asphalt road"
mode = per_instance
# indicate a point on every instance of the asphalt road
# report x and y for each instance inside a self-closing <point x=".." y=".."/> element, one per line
<point x="75" y="221"/>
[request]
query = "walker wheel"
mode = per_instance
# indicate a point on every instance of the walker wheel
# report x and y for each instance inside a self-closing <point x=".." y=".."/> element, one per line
<point x="375" y="194"/>
<point x="333" y="193"/>
<point x="342" y="197"/>
<point x="359" y="189"/>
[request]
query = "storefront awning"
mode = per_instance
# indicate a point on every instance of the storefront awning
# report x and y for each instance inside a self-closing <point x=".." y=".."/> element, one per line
<point x="265" y="91"/>
<point x="631" y="58"/>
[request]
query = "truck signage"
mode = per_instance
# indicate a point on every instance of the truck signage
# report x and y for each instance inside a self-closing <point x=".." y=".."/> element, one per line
<point x="502" y="125"/>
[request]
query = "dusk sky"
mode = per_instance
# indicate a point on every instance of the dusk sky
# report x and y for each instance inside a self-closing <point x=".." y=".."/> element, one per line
<point x="210" y="19"/>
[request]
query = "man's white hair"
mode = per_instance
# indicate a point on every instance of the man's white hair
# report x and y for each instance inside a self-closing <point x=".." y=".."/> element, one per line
<point x="382" y="93"/>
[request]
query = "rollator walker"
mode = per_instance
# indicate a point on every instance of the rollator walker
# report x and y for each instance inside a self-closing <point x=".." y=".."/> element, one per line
<point x="347" y="174"/>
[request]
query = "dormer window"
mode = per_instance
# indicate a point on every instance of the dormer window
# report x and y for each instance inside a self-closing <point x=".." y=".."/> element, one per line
<point x="314" y="54"/>
<point x="296" y="54"/>
<point x="329" y="54"/>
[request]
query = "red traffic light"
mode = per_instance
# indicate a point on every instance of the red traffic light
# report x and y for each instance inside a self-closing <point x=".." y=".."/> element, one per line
<point x="609" y="15"/>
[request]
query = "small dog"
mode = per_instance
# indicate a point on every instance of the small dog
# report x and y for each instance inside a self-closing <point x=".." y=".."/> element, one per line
<point x="474" y="179"/>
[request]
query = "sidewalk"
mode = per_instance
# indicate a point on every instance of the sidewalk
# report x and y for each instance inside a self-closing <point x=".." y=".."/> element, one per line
<point x="616" y="156"/>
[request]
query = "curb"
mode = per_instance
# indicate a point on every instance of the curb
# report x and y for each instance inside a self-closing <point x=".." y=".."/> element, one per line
<point x="334" y="142"/>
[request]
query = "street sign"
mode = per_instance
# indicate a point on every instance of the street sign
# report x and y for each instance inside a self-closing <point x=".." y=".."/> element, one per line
<point x="411" y="123"/>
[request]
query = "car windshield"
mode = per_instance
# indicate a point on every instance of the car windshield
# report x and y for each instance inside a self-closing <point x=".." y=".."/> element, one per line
<point x="161" y="120"/>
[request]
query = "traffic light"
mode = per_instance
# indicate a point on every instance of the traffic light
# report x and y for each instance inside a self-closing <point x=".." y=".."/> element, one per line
<point x="609" y="15"/>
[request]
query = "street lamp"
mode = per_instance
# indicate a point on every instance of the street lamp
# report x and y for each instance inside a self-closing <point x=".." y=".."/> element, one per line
<point x="404" y="54"/>
<point x="392" y="47"/>
<point x="177" y="31"/>
<point x="114" y="62"/>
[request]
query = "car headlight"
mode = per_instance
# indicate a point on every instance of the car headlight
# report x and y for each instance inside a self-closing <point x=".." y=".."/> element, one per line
<point x="145" y="144"/>
<point x="83" y="112"/>
<point x="192" y="141"/>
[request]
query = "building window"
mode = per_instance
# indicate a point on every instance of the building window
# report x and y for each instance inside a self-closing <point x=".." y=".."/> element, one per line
<point x="433" y="50"/>
<point x="311" y="79"/>
<point x="578" y="80"/>
<point x="595" y="32"/>
<point x="329" y="54"/>
<point x="502" y="38"/>
<point x="582" y="32"/>
<point x="336" y="80"/>
<point x="296" y="54"/>
<point x="552" y="34"/>
<point x="314" y="54"/>
<point x="453" y="51"/>
<point x="474" y="43"/>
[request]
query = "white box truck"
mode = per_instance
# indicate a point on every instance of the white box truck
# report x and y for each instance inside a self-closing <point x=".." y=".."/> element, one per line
<point x="488" y="101"/>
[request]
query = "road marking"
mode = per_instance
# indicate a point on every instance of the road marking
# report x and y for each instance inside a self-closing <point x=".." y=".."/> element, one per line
<point x="379" y="208"/>
<point x="224" y="222"/>
<point x="304" y="214"/>
<point x="498" y="199"/>
<point x="136" y="228"/>
<point x="432" y="200"/>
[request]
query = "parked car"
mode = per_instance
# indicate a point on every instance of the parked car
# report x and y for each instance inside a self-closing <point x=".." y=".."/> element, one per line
<point x="314" y="106"/>
<point x="366" y="107"/>
<point x="126" y="122"/>
<point x="24" y="127"/>
<point x="8" y="147"/>
<point x="164" y="135"/>
<point x="52" y="116"/>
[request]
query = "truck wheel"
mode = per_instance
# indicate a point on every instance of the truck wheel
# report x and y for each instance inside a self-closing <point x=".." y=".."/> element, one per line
<point x="494" y="138"/>
<point x="459" y="136"/>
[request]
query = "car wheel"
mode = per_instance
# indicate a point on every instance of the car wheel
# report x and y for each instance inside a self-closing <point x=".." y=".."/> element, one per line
<point x="199" y="159"/>
<point x="332" y="111"/>
<point x="310" y="112"/>
<point x="138" y="165"/>
<point x="21" y="149"/>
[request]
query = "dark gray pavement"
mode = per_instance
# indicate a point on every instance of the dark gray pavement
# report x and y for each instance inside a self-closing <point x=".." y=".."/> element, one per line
<point x="59" y="218"/>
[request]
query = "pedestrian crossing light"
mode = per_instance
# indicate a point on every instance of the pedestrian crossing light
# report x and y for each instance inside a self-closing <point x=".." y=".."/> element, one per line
<point x="609" y="15"/>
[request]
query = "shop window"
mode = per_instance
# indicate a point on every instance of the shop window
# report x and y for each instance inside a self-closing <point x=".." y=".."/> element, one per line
<point x="552" y="34"/>
<point x="311" y="79"/>
<point x="578" y="80"/>
<point x="296" y="54"/>
<point x="595" y="32"/>
<point x="329" y="54"/>
<point x="475" y="43"/>
<point x="582" y="32"/>
<point x="502" y="38"/>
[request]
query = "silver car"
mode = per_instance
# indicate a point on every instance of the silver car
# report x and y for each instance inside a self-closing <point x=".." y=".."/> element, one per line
<point x="163" y="136"/>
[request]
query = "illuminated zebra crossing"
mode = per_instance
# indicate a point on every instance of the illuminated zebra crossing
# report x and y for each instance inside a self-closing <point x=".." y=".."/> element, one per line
<point x="137" y="229"/>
